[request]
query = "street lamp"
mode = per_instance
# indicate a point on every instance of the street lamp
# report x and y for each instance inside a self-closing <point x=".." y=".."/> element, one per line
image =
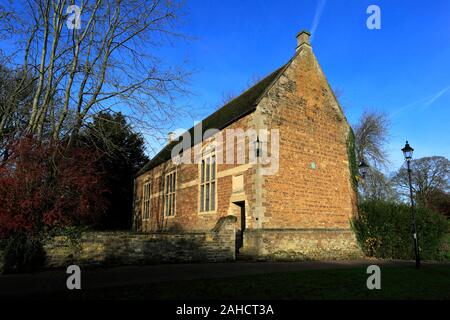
<point x="363" y="168"/>
<point x="258" y="147"/>
<point x="408" y="153"/>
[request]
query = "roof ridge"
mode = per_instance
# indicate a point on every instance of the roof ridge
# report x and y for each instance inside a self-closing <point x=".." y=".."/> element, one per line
<point x="279" y="72"/>
<point x="250" y="88"/>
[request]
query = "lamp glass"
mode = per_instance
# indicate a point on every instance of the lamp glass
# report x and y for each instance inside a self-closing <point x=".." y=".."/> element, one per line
<point x="258" y="147"/>
<point x="363" y="167"/>
<point x="407" y="151"/>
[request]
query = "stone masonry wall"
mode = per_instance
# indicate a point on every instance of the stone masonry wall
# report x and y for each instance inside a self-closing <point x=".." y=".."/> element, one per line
<point x="312" y="188"/>
<point x="301" y="244"/>
<point x="116" y="248"/>
<point x="187" y="216"/>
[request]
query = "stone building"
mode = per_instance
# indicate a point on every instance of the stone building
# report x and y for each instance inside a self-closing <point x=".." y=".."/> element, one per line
<point x="297" y="203"/>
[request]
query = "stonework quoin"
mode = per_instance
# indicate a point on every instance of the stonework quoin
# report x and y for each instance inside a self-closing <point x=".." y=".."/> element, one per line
<point x="281" y="162"/>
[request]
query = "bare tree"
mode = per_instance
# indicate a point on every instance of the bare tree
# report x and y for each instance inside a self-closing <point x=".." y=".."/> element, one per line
<point x="6" y="21"/>
<point x="429" y="174"/>
<point x="377" y="186"/>
<point x="229" y="96"/>
<point x="110" y="60"/>
<point x="16" y="94"/>
<point x="226" y="98"/>
<point x="371" y="134"/>
<point x="254" y="79"/>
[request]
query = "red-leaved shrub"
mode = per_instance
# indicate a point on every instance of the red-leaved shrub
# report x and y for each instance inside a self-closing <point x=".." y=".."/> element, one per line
<point x="48" y="185"/>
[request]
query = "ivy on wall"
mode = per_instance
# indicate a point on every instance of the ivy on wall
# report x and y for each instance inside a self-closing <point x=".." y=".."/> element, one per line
<point x="352" y="162"/>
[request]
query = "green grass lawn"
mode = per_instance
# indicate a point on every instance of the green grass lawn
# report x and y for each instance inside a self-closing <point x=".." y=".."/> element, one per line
<point x="431" y="282"/>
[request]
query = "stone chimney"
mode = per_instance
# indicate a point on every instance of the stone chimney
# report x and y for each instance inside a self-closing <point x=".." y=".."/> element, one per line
<point x="170" y="137"/>
<point x="303" y="39"/>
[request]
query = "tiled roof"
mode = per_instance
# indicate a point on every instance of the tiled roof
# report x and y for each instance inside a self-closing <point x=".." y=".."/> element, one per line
<point x="226" y="115"/>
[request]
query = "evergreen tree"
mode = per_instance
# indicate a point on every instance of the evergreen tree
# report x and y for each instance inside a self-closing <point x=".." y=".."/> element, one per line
<point x="122" y="155"/>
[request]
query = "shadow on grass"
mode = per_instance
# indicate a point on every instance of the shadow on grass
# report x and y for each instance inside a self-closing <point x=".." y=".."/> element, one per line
<point x="431" y="282"/>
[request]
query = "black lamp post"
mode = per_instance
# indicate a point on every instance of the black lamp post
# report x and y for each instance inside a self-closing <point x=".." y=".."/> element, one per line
<point x="408" y="152"/>
<point x="258" y="147"/>
<point x="363" y="168"/>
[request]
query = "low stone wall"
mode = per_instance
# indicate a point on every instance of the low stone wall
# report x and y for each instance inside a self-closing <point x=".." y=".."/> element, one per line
<point x="122" y="248"/>
<point x="301" y="244"/>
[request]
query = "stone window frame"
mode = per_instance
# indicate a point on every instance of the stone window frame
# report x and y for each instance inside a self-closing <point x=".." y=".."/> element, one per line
<point x="170" y="195"/>
<point x="208" y="153"/>
<point x="146" y="200"/>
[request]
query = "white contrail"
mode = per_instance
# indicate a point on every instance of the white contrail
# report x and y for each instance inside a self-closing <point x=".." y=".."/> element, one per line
<point x="435" y="97"/>
<point x="425" y="102"/>
<point x="317" y="15"/>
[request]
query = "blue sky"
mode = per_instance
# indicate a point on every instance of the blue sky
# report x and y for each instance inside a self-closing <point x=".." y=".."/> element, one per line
<point x="402" y="69"/>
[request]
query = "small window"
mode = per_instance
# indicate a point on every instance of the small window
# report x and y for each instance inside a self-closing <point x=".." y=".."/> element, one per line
<point x="208" y="182"/>
<point x="169" y="194"/>
<point x="146" y="198"/>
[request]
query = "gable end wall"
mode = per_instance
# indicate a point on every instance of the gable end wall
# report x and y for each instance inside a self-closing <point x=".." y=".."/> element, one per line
<point x="313" y="187"/>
